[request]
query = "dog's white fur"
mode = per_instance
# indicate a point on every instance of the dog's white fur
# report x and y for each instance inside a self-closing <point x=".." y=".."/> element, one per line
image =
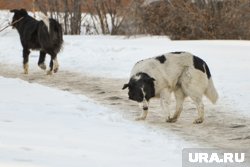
<point x="177" y="74"/>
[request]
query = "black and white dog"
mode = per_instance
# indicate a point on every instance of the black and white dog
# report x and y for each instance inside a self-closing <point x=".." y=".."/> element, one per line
<point x="178" y="72"/>
<point x="45" y="35"/>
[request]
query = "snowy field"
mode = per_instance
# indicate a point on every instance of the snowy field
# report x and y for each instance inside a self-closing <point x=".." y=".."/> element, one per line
<point x="74" y="130"/>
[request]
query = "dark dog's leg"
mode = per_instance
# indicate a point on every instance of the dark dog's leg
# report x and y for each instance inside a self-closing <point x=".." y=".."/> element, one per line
<point x="41" y="60"/>
<point x="51" y="67"/>
<point x="53" y="64"/>
<point x="56" y="65"/>
<point x="26" y="53"/>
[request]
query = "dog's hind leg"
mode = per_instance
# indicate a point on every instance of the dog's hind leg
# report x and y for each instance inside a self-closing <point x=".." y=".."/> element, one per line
<point x="194" y="84"/>
<point x="49" y="72"/>
<point x="56" y="65"/>
<point x="200" y="107"/>
<point x="53" y="64"/>
<point x="26" y="53"/>
<point x="195" y="93"/>
<point x="165" y="102"/>
<point x="41" y="60"/>
<point x="179" y="96"/>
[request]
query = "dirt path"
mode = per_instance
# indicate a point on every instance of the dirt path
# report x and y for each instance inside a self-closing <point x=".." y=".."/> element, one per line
<point x="222" y="128"/>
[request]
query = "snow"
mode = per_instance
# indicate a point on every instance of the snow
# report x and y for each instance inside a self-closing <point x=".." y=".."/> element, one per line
<point x="41" y="126"/>
<point x="64" y="129"/>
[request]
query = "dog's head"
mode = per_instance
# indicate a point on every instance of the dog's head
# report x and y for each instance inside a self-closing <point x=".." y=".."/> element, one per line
<point x="141" y="89"/>
<point x="18" y="15"/>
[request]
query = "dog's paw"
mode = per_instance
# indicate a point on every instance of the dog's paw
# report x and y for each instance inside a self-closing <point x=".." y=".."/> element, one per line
<point x="26" y="68"/>
<point x="140" y="118"/>
<point x="26" y="72"/>
<point x="42" y="66"/>
<point x="49" y="72"/>
<point x="198" y="121"/>
<point x="171" y="120"/>
<point x="55" y="70"/>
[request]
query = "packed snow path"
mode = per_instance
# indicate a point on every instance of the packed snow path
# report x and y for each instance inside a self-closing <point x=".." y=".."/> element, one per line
<point x="222" y="128"/>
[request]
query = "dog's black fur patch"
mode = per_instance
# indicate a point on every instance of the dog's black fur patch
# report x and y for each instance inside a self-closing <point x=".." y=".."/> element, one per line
<point x="135" y="86"/>
<point x="161" y="59"/>
<point x="201" y="65"/>
<point x="35" y="35"/>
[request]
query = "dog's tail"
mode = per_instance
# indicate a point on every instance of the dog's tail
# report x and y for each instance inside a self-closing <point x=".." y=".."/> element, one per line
<point x="211" y="92"/>
<point x="56" y="34"/>
<point x="51" y="37"/>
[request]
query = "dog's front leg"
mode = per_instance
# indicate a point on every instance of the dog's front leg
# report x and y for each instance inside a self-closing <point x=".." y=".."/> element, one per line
<point x="26" y="53"/>
<point x="200" y="108"/>
<point x="144" y="106"/>
<point x="165" y="102"/>
<point x="143" y="115"/>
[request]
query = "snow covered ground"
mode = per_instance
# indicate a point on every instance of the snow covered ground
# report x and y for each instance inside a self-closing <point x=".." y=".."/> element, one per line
<point x="76" y="131"/>
<point x="40" y="126"/>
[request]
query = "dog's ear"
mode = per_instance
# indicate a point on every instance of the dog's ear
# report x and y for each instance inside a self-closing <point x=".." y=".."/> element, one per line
<point x="152" y="79"/>
<point x="23" y="12"/>
<point x="14" y="10"/>
<point x="148" y="80"/>
<point x="125" y="86"/>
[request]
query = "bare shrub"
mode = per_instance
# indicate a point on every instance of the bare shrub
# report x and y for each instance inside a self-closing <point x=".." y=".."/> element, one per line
<point x="197" y="19"/>
<point x="87" y="16"/>
<point x="107" y="16"/>
<point x="67" y="11"/>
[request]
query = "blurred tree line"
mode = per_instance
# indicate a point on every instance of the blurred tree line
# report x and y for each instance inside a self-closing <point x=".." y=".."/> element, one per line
<point x="178" y="19"/>
<point x="89" y="16"/>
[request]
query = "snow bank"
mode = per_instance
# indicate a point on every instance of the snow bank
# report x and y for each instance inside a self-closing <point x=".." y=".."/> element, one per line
<point x="41" y="127"/>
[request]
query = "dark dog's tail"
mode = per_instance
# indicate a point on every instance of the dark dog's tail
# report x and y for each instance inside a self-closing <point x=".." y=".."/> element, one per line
<point x="56" y="34"/>
<point x="51" y="35"/>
